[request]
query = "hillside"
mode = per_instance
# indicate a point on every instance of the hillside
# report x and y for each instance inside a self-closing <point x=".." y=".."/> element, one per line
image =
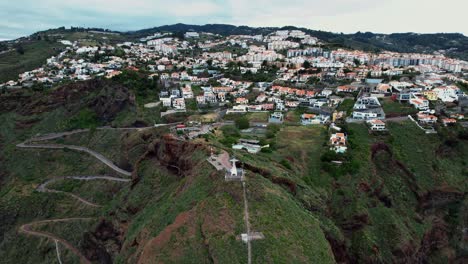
<point x="397" y="198"/>
<point x="31" y="52"/>
<point x="454" y="45"/>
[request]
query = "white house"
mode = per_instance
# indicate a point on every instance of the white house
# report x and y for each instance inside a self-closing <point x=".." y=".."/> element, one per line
<point x="178" y="103"/>
<point x="166" y="101"/>
<point x="326" y="92"/>
<point x="419" y="102"/>
<point x="376" y="125"/>
<point x="427" y="118"/>
<point x="187" y="92"/>
<point x="447" y="93"/>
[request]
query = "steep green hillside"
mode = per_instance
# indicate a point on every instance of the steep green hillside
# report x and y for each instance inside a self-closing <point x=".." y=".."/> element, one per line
<point x="398" y="197"/>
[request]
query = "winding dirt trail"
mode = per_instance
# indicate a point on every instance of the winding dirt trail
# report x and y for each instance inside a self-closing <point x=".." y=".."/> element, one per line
<point x="28" y="228"/>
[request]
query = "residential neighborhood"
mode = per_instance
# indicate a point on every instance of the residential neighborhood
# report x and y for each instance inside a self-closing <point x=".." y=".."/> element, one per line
<point x="369" y="87"/>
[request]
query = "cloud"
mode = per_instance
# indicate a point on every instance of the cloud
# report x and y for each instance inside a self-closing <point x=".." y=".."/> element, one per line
<point x="27" y="16"/>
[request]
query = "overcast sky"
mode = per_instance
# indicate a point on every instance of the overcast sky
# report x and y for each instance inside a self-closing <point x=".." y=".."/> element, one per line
<point x="23" y="17"/>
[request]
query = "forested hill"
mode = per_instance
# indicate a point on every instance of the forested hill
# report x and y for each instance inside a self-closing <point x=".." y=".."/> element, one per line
<point x="453" y="44"/>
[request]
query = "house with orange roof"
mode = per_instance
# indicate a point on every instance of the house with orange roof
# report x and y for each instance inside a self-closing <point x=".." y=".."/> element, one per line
<point x="346" y="89"/>
<point x="458" y="116"/>
<point x="268" y="107"/>
<point x="187" y="92"/>
<point x="313" y="119"/>
<point x="449" y="121"/>
<point x="419" y="102"/>
<point x="242" y="100"/>
<point x="376" y="125"/>
<point x="427" y="118"/>
<point x="383" y="88"/>
<point x="311" y="94"/>
<point x="300" y="92"/>
<point x="338" y="143"/>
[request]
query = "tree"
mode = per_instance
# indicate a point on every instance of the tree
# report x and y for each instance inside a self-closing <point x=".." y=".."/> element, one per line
<point x="306" y="65"/>
<point x="20" y="49"/>
<point x="242" y="122"/>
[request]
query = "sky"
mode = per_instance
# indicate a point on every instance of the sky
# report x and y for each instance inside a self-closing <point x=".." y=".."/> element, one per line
<point x="23" y="17"/>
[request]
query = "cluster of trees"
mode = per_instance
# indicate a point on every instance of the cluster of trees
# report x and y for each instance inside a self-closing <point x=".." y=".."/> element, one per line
<point x="145" y="89"/>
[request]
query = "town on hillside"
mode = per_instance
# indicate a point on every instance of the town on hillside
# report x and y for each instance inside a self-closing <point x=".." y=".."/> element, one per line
<point x="287" y="77"/>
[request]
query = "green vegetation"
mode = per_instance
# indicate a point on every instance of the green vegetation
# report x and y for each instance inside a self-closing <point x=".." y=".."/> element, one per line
<point x="242" y="122"/>
<point x="346" y="106"/>
<point x="25" y="57"/>
<point x="86" y="118"/>
<point x="146" y="90"/>
<point x="395" y="108"/>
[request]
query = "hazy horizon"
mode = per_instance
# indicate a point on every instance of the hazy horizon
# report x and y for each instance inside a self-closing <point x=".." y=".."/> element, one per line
<point x="347" y="16"/>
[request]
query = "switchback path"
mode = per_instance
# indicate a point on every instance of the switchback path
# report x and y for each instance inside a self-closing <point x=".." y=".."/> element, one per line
<point x="27" y="229"/>
<point x="32" y="143"/>
<point x="43" y="187"/>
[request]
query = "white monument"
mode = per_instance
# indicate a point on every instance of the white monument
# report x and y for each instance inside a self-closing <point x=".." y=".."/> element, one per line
<point x="234" y="174"/>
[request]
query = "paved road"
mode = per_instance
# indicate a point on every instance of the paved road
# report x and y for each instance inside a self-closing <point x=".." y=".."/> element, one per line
<point x="391" y="119"/>
<point x="43" y="187"/>
<point x="77" y="131"/>
<point x="97" y="155"/>
<point x="170" y="112"/>
<point x="27" y="229"/>
<point x="397" y="118"/>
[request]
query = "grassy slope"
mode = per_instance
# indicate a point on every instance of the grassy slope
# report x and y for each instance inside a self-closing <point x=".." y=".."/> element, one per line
<point x="340" y="202"/>
<point x="392" y="108"/>
<point x="213" y="204"/>
<point x="35" y="54"/>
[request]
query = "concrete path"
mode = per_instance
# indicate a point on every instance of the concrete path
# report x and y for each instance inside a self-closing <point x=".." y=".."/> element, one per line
<point x="247" y="223"/>
<point x="93" y="153"/>
<point x="43" y="187"/>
